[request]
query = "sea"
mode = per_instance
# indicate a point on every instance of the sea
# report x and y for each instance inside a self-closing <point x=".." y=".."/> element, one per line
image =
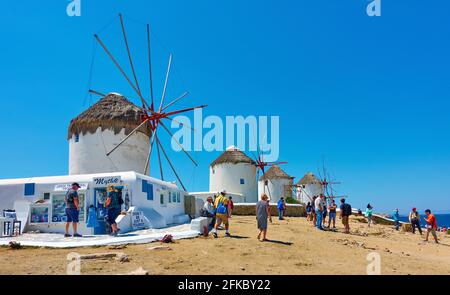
<point x="442" y="220"/>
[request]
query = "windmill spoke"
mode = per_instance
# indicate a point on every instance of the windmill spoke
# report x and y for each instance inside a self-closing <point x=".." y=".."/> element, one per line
<point x="181" y="124"/>
<point x="96" y="93"/>
<point x="268" y="189"/>
<point x="175" y="100"/>
<point x="150" y="66"/>
<point x="165" y="83"/>
<point x="159" y="160"/>
<point x="144" y="103"/>
<point x="129" y="52"/>
<point x="147" y="163"/>
<point x="178" y="143"/>
<point x="128" y="136"/>
<point x="184" y="110"/>
<point x="170" y="163"/>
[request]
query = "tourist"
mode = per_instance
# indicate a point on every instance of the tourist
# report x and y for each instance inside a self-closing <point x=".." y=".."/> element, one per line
<point x="431" y="226"/>
<point x="319" y="205"/>
<point x="324" y="212"/>
<point x="281" y="206"/>
<point x="414" y="219"/>
<point x="309" y="212"/>
<point x="208" y="211"/>
<point x="231" y="205"/>
<point x="346" y="211"/>
<point x="222" y="207"/>
<point x="368" y="214"/>
<point x="396" y="219"/>
<point x="113" y="208"/>
<point x="332" y="214"/>
<point x="262" y="214"/>
<point x="72" y="210"/>
<point x="314" y="215"/>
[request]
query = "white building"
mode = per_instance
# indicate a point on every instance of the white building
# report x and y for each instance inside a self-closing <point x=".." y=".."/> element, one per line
<point x="308" y="187"/>
<point x="39" y="202"/>
<point x="99" y="129"/>
<point x="234" y="172"/>
<point x="275" y="183"/>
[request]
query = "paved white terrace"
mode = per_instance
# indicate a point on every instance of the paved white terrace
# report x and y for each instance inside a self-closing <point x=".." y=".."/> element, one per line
<point x="138" y="237"/>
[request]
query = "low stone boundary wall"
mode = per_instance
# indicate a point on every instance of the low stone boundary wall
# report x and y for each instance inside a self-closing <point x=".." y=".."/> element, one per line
<point x="248" y="209"/>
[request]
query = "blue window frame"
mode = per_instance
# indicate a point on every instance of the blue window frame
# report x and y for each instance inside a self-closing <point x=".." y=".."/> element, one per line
<point x="150" y="192"/>
<point x="170" y="197"/>
<point x="29" y="189"/>
<point x="174" y="197"/>
<point x="242" y="181"/>
<point x="144" y="186"/>
<point x="77" y="137"/>
<point x="178" y="197"/>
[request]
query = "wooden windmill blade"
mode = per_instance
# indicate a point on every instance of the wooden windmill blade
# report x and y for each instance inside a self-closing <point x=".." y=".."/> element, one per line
<point x="144" y="103"/>
<point x="170" y="162"/>
<point x="150" y="118"/>
<point x="129" y="53"/>
<point x="150" y="72"/>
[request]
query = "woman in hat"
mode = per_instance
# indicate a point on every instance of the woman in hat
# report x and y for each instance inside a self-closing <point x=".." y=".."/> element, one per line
<point x="113" y="208"/>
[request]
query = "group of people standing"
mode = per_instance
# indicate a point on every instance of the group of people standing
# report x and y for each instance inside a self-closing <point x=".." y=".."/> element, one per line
<point x="318" y="210"/>
<point x="113" y="206"/>
<point x="219" y="210"/>
<point x="220" y="207"/>
<point x="414" y="219"/>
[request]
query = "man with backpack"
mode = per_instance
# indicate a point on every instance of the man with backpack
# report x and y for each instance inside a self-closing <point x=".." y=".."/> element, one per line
<point x="113" y="206"/>
<point x="221" y="205"/>
<point x="346" y="211"/>
<point x="72" y="210"/>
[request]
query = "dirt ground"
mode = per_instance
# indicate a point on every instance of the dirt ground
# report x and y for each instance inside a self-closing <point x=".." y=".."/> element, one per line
<point x="296" y="247"/>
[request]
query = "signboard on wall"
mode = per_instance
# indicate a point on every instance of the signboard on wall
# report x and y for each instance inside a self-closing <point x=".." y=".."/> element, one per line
<point x="65" y="187"/>
<point x="105" y="181"/>
<point x="137" y="220"/>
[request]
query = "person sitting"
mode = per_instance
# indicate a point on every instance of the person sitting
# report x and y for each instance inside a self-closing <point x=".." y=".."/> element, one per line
<point x="208" y="211"/>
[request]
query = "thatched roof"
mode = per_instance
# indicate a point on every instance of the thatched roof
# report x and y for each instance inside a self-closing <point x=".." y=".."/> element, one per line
<point x="309" y="178"/>
<point x="113" y="112"/>
<point x="233" y="156"/>
<point x="275" y="172"/>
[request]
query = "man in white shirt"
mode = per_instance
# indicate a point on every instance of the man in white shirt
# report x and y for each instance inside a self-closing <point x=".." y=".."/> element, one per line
<point x="319" y="205"/>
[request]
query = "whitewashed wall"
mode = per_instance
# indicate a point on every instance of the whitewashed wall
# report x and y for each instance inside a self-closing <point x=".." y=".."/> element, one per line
<point x="227" y="177"/>
<point x="276" y="187"/>
<point x="310" y="190"/>
<point x="88" y="155"/>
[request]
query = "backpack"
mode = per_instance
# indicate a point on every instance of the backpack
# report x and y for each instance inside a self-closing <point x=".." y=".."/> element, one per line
<point x="221" y="207"/>
<point x="347" y="209"/>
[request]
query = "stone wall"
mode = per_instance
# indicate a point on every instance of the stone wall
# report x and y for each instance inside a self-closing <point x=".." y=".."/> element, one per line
<point x="249" y="210"/>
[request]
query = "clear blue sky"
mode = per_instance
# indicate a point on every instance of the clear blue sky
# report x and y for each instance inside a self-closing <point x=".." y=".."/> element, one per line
<point x="371" y="95"/>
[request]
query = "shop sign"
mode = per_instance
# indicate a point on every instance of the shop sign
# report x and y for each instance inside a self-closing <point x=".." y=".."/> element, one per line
<point x="105" y="181"/>
<point x="66" y="186"/>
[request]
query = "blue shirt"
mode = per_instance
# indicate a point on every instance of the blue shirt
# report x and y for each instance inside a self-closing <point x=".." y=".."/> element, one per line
<point x="280" y="205"/>
<point x="396" y="216"/>
<point x="71" y="195"/>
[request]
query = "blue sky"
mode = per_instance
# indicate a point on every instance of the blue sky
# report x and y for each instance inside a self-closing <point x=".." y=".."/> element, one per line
<point x="370" y="95"/>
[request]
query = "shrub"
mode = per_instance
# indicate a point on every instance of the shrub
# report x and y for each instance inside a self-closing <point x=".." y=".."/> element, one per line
<point x="291" y="200"/>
